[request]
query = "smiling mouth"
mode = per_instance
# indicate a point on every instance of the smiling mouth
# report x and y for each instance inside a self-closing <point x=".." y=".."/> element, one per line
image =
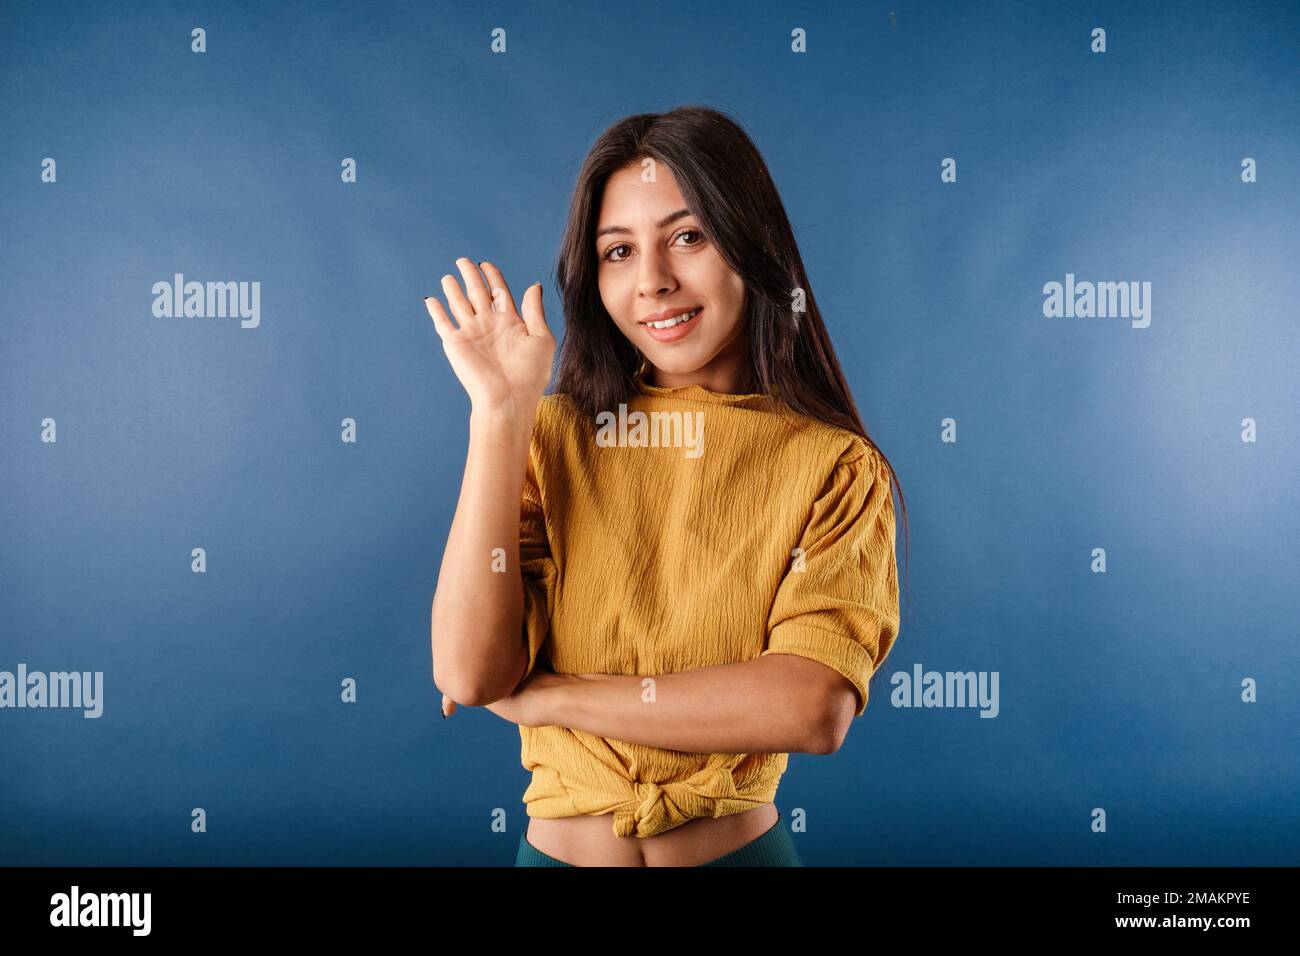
<point x="674" y="321"/>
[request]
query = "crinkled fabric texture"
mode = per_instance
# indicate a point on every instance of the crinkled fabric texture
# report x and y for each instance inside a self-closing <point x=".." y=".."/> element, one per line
<point x="774" y="539"/>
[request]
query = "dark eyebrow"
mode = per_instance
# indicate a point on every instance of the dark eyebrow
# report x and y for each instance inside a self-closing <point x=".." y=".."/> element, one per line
<point x="659" y="225"/>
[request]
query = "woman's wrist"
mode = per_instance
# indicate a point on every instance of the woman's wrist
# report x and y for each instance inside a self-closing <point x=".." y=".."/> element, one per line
<point x="553" y="699"/>
<point x="518" y="412"/>
<point x="501" y="430"/>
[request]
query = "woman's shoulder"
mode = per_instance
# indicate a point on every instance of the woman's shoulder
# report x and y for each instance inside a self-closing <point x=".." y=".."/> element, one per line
<point x="825" y="445"/>
<point x="556" y="403"/>
<point x="559" y="426"/>
<point x="802" y="441"/>
<point x="557" y="410"/>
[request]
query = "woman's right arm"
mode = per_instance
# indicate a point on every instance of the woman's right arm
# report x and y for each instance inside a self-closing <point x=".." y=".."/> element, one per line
<point x="477" y="619"/>
<point x="503" y="358"/>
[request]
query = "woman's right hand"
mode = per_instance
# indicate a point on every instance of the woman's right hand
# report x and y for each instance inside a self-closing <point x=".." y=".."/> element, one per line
<point x="502" y="359"/>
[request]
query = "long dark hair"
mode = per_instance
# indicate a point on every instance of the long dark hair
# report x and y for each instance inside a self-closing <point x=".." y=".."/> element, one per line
<point x="727" y="186"/>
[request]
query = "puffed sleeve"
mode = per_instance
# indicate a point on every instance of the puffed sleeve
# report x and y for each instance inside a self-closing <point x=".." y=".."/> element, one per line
<point x="842" y="608"/>
<point x="536" y="565"/>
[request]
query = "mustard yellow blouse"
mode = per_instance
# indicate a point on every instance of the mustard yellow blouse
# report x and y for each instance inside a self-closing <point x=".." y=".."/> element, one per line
<point x="714" y="533"/>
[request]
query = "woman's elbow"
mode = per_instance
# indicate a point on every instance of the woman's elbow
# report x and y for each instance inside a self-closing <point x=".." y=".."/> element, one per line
<point x="475" y="684"/>
<point x="462" y="687"/>
<point x="840" y="705"/>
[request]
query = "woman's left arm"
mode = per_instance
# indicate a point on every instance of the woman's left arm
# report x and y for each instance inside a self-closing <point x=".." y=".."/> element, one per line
<point x="777" y="703"/>
<point x="832" y="623"/>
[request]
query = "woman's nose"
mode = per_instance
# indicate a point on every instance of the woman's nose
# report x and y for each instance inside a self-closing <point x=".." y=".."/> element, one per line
<point x="654" y="277"/>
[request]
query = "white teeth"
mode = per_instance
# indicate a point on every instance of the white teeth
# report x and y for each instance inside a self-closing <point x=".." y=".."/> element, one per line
<point x="669" y="323"/>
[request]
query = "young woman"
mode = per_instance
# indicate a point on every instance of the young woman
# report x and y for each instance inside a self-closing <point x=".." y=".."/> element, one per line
<point x="701" y="578"/>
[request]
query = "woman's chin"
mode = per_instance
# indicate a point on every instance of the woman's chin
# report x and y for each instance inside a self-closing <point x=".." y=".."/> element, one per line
<point x="675" y="364"/>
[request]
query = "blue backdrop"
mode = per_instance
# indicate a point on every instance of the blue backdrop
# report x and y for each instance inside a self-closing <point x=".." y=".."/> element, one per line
<point x="1161" y="691"/>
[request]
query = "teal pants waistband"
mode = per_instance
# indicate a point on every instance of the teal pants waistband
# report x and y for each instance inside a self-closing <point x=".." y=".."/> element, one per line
<point x="773" y="848"/>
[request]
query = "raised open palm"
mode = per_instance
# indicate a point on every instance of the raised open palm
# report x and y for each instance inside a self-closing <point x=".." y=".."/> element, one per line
<point x="502" y="357"/>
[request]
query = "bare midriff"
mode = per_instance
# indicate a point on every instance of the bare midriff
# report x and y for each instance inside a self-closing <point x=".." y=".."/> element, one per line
<point x="590" y="840"/>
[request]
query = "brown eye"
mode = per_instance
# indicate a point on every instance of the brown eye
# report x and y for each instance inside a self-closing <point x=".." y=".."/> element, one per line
<point x="610" y="251"/>
<point x="692" y="232"/>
